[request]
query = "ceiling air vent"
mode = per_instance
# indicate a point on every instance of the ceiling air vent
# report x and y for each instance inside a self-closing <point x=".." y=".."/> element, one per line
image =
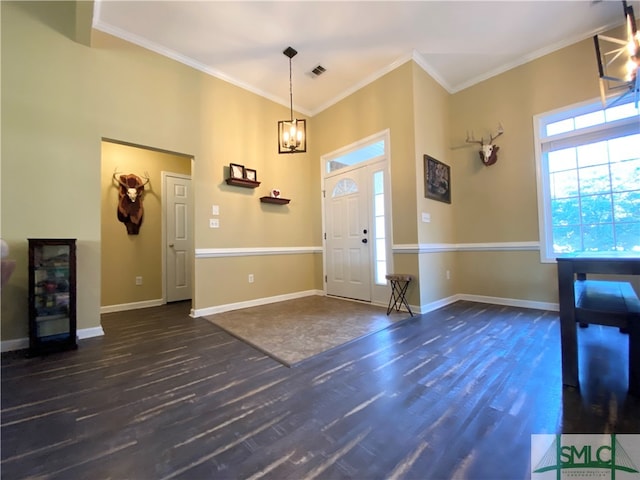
<point x="319" y="70"/>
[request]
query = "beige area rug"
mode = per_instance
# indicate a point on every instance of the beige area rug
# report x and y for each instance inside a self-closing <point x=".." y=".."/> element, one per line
<point x="295" y="330"/>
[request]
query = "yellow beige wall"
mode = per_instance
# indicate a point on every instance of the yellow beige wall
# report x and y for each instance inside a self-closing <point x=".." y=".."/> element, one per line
<point x="431" y="113"/>
<point x="61" y="98"/>
<point x="123" y="256"/>
<point x="498" y="204"/>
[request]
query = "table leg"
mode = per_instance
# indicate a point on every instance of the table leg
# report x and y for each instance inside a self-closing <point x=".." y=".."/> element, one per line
<point x="568" y="333"/>
<point x="634" y="355"/>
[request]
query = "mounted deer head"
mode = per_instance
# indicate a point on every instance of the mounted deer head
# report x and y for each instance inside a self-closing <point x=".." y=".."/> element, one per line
<point x="488" y="151"/>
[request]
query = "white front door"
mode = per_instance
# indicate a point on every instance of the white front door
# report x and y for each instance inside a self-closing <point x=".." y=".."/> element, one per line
<point x="179" y="232"/>
<point x="348" y="261"/>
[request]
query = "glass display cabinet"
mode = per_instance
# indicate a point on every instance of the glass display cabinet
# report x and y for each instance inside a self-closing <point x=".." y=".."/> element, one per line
<point x="52" y="295"/>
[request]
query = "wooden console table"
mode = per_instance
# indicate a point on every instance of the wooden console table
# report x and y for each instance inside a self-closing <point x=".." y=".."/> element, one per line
<point x="599" y="302"/>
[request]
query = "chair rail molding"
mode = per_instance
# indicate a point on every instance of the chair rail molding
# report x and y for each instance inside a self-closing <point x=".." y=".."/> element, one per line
<point x="466" y="247"/>
<point x="254" y="251"/>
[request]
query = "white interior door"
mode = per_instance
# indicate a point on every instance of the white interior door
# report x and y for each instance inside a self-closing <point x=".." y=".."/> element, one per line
<point x="348" y="241"/>
<point x="179" y="232"/>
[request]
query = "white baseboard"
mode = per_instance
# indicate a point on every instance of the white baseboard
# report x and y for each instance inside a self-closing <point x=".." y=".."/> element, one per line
<point x="511" y="302"/>
<point x="201" y="312"/>
<point x="23" y="343"/>
<point x="131" y="306"/>
<point x="16" y="344"/>
<point x="90" y="332"/>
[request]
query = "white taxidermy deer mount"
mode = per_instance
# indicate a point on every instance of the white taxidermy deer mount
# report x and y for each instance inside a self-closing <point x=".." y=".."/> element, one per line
<point x="488" y="151"/>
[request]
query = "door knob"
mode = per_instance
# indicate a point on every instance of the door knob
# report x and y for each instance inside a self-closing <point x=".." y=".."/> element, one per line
<point x="171" y="245"/>
<point x="364" y="240"/>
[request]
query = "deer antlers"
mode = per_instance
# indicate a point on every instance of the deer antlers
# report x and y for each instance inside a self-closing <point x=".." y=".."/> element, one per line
<point x="116" y="172"/>
<point x="471" y="139"/>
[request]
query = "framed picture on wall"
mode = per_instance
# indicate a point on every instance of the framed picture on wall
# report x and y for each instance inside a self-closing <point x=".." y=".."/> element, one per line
<point x="250" y="174"/>
<point x="236" y="171"/>
<point x="437" y="180"/>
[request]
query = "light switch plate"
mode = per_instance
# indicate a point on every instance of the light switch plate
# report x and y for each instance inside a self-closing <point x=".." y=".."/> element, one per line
<point x="426" y="217"/>
<point x="215" y="209"/>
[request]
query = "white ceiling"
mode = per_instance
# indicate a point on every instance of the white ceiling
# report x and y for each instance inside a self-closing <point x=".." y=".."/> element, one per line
<point x="458" y="43"/>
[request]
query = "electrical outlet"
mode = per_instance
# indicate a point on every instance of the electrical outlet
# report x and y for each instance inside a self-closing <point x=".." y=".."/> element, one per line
<point x="448" y="275"/>
<point x="214" y="223"/>
<point x="251" y="278"/>
<point x="138" y="280"/>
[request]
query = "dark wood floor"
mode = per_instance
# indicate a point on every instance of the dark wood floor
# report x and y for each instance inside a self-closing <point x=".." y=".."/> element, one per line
<point x="455" y="393"/>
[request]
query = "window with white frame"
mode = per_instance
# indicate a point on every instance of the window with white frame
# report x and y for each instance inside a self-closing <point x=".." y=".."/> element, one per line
<point x="588" y="172"/>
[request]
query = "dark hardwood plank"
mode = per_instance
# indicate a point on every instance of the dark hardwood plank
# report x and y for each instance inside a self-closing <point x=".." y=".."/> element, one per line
<point x="453" y="393"/>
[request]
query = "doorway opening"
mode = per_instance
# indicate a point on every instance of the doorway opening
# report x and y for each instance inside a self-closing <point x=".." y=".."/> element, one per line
<point x="357" y="220"/>
<point x="135" y="269"/>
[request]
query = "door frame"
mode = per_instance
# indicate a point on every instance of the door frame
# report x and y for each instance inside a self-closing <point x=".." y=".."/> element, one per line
<point x="163" y="175"/>
<point x="379" y="294"/>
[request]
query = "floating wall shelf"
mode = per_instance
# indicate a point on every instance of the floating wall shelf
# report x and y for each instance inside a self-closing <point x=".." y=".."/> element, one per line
<point x="278" y="201"/>
<point x="242" y="182"/>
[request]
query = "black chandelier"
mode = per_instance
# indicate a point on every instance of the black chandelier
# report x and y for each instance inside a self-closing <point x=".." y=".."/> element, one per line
<point x="619" y="61"/>
<point x="292" y="133"/>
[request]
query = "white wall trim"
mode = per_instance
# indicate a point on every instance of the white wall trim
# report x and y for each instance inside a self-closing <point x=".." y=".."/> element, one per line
<point x="398" y="248"/>
<point x="511" y="302"/>
<point x="255" y="251"/>
<point x="90" y="332"/>
<point x="131" y="306"/>
<point x="466" y="247"/>
<point x="23" y="343"/>
<point x="15" y="344"/>
<point x="498" y="246"/>
<point x="201" y="312"/>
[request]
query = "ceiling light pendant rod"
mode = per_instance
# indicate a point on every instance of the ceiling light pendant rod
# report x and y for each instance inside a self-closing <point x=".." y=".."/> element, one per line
<point x="290" y="90"/>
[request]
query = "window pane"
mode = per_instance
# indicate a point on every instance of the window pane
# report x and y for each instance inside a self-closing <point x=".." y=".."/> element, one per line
<point x="379" y="227"/>
<point x="564" y="184"/>
<point x="593" y="154"/>
<point x="381" y="272"/>
<point x="624" y="148"/>
<point x="618" y="112"/>
<point x="628" y="236"/>
<point x="378" y="205"/>
<point x="626" y="206"/>
<point x="567" y="239"/>
<point x="590" y="119"/>
<point x="562" y="160"/>
<point x="378" y="183"/>
<point x="625" y="175"/>
<point x="598" y="238"/>
<point x="380" y="249"/>
<point x="594" y="180"/>
<point x="560" y="127"/>
<point x="596" y="209"/>
<point x="566" y="211"/>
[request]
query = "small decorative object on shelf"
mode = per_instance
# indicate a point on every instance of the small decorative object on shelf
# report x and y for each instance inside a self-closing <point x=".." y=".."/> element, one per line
<point x="276" y="200"/>
<point x="275" y="193"/>
<point x="52" y="295"/>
